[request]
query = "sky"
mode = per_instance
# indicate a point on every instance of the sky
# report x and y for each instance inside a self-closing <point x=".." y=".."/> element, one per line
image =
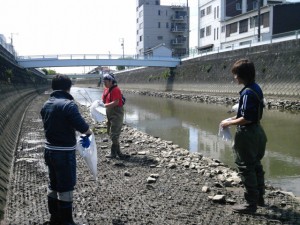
<point x="51" y="27"/>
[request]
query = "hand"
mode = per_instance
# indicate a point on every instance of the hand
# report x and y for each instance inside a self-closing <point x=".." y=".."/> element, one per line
<point x="225" y="123"/>
<point x="85" y="141"/>
<point x="100" y="103"/>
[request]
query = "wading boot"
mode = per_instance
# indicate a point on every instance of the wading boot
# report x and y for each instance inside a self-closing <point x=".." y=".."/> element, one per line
<point x="261" y="201"/>
<point x="53" y="210"/>
<point x="245" y="208"/>
<point x="66" y="211"/>
<point x="119" y="153"/>
<point x="113" y="153"/>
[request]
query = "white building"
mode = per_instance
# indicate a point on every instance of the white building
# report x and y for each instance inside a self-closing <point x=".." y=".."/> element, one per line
<point x="158" y="24"/>
<point x="223" y="23"/>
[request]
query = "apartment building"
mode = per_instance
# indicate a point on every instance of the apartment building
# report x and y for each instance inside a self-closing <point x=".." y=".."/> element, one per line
<point x="159" y="25"/>
<point x="224" y="23"/>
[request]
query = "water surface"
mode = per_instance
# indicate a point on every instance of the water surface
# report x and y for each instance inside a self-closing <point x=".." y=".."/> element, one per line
<point x="194" y="126"/>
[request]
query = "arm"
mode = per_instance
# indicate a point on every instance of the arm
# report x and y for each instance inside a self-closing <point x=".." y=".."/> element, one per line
<point x="112" y="104"/>
<point x="234" y="121"/>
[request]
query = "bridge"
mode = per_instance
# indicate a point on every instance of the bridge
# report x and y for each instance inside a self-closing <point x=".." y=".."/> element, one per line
<point x="95" y="60"/>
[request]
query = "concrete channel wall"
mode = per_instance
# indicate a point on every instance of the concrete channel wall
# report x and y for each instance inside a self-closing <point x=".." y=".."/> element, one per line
<point x="277" y="71"/>
<point x="18" y="88"/>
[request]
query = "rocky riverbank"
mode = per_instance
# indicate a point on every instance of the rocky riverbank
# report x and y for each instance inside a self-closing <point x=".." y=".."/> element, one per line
<point x="271" y="101"/>
<point x="160" y="183"/>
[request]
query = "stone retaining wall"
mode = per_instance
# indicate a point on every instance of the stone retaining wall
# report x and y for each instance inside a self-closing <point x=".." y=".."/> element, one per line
<point x="18" y="88"/>
<point x="277" y="71"/>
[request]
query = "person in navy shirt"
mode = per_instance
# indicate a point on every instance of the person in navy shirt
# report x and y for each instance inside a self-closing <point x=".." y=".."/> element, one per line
<point x="250" y="139"/>
<point x="61" y="118"/>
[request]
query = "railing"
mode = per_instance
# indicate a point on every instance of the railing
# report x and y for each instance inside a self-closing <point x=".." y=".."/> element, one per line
<point x="292" y="35"/>
<point x="8" y="47"/>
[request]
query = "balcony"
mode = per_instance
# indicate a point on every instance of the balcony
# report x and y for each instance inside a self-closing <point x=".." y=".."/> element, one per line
<point x="178" y="18"/>
<point x="178" y="41"/>
<point x="178" y="29"/>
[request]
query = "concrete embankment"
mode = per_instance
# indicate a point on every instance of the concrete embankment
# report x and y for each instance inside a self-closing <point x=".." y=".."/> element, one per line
<point x="277" y="71"/>
<point x="160" y="183"/>
<point x="17" y="89"/>
<point x="208" y="78"/>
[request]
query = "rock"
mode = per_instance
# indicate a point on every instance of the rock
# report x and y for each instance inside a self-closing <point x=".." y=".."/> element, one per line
<point x="127" y="174"/>
<point x="154" y="175"/>
<point x="172" y="165"/>
<point x="151" y="180"/>
<point x="103" y="146"/>
<point x="219" y="198"/>
<point x="205" y="189"/>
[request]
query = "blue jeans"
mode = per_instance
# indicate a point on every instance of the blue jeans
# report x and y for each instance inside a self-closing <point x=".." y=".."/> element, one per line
<point x="62" y="169"/>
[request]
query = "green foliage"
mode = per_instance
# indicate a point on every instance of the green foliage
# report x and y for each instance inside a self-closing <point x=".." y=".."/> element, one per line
<point x="51" y="72"/>
<point x="120" y="68"/>
<point x="208" y="68"/>
<point x="165" y="74"/>
<point x="45" y="71"/>
<point x="9" y="74"/>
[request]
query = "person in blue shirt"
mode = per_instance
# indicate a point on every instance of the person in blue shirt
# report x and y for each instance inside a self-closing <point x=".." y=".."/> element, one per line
<point x="61" y="118"/>
<point x="250" y="139"/>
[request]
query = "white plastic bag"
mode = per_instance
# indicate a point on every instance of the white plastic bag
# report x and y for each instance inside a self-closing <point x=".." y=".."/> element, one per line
<point x="96" y="114"/>
<point x="225" y="132"/>
<point x="89" y="154"/>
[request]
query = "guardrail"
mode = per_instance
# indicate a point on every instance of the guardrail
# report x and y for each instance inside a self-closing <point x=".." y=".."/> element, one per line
<point x="292" y="35"/>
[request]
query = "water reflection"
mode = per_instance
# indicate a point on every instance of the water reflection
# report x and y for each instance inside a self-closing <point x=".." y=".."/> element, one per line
<point x="194" y="126"/>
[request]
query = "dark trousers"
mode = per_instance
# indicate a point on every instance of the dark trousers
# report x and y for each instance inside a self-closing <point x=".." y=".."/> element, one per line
<point x="249" y="148"/>
<point x="62" y="170"/>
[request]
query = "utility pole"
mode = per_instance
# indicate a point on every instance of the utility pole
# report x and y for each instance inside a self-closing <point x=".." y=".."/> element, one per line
<point x="258" y="21"/>
<point x="188" y="27"/>
<point x="122" y="44"/>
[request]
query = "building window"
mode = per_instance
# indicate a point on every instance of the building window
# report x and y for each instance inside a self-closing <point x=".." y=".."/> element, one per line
<point x="214" y="33"/>
<point x="243" y="26"/>
<point x="218" y="33"/>
<point x="218" y="11"/>
<point x="160" y="37"/>
<point x="253" y="22"/>
<point x="167" y="25"/>
<point x="208" y="31"/>
<point x="265" y="20"/>
<point x="202" y="12"/>
<point x="222" y="29"/>
<point x="215" y="13"/>
<point x="141" y="38"/>
<point x="202" y="32"/>
<point x="208" y="10"/>
<point x="238" y="6"/>
<point x="231" y="28"/>
<point x="137" y="32"/>
<point x="158" y="24"/>
<point x="166" y="12"/>
<point x="159" y="12"/>
<point x="156" y="2"/>
<point x="255" y="5"/>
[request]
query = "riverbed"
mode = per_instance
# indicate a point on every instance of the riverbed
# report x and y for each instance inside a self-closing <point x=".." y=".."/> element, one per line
<point x="194" y="126"/>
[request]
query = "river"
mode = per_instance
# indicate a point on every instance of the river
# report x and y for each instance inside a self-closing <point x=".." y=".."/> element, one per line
<point x="194" y="126"/>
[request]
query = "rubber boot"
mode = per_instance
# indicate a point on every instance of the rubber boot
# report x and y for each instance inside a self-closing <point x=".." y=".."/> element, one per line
<point x="53" y="210"/>
<point x="119" y="153"/>
<point x="113" y="152"/>
<point x="245" y="208"/>
<point x="66" y="212"/>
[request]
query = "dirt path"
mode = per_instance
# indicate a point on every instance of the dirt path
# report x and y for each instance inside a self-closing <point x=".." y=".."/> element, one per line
<point x="122" y="195"/>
